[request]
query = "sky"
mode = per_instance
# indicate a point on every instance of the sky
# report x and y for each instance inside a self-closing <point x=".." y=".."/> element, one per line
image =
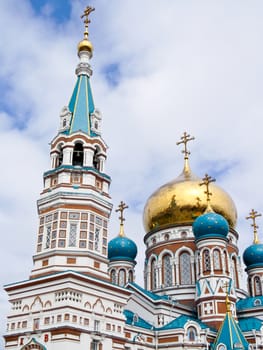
<point x="160" y="68"/>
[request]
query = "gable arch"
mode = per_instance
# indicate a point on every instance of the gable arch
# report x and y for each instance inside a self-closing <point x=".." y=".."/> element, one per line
<point x="182" y="249"/>
<point x="165" y="252"/>
<point x="33" y="344"/>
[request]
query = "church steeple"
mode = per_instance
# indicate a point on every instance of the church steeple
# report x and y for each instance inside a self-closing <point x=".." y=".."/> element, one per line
<point x="80" y="114"/>
<point x="75" y="206"/>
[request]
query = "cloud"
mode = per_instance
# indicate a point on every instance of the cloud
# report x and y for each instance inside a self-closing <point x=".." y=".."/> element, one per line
<point x="181" y="66"/>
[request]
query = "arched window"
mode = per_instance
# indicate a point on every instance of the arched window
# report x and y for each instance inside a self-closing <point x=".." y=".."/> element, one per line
<point x="191" y="334"/>
<point x="257" y="283"/>
<point x="96" y="161"/>
<point x="217" y="260"/>
<point x="250" y="286"/>
<point x="234" y="272"/>
<point x="78" y="154"/>
<point x="207" y="261"/>
<point x="167" y="271"/>
<point x="64" y="122"/>
<point x="130" y="276"/>
<point x="226" y="261"/>
<point x="153" y="275"/>
<point x="60" y="156"/>
<point x="113" y="276"/>
<point x="122" y="277"/>
<point x="185" y="268"/>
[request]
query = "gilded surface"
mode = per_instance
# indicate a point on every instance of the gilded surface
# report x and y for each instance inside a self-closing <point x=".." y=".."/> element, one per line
<point x="182" y="200"/>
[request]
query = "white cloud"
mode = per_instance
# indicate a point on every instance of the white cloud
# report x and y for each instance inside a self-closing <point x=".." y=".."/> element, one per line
<point x="184" y="66"/>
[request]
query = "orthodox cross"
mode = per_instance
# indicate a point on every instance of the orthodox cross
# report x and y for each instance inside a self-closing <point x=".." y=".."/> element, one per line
<point x="206" y="181"/>
<point x="85" y="15"/>
<point x="185" y="139"/>
<point x="253" y="215"/>
<point x="122" y="206"/>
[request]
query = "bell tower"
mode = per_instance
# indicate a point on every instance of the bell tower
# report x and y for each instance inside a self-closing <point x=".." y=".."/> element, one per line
<point x="74" y="206"/>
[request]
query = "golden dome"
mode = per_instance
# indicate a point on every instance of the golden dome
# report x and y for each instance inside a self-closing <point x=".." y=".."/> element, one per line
<point x="182" y="200"/>
<point x="85" y="45"/>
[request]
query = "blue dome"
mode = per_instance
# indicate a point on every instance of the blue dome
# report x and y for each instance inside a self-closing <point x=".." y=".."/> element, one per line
<point x="122" y="248"/>
<point x="210" y="225"/>
<point x="253" y="256"/>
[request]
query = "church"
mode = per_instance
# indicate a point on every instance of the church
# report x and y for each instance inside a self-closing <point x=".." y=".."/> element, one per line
<point x="82" y="293"/>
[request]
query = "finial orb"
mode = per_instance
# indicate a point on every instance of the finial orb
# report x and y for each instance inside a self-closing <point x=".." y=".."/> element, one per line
<point x="85" y="45"/>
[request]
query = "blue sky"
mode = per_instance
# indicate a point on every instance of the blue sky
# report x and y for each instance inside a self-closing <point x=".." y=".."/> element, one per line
<point x="59" y="11"/>
<point x="160" y="68"/>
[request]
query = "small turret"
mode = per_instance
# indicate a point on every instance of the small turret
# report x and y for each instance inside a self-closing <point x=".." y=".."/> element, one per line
<point x="122" y="252"/>
<point x="253" y="259"/>
<point x="210" y="231"/>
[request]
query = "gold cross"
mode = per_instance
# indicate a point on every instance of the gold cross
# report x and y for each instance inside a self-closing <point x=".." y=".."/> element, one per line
<point x="253" y="215"/>
<point x="86" y="14"/>
<point x="121" y="208"/>
<point x="185" y="139"/>
<point x="206" y="181"/>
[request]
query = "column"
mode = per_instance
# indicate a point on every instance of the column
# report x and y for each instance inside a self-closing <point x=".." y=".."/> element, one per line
<point x="88" y="157"/>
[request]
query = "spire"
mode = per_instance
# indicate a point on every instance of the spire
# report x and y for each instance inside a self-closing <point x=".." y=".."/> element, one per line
<point x="253" y="215"/>
<point x="83" y="115"/>
<point x="206" y="182"/>
<point x="184" y="140"/>
<point x="230" y="333"/>
<point x="121" y="208"/>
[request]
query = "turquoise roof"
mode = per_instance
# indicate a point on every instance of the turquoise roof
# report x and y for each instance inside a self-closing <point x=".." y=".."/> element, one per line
<point x="72" y="167"/>
<point x="81" y="106"/>
<point x="134" y="320"/>
<point x="248" y="303"/>
<point x="122" y="248"/>
<point x="230" y="335"/>
<point x="253" y="256"/>
<point x="210" y="225"/>
<point x="148" y="293"/>
<point x="35" y="342"/>
<point x="181" y="321"/>
<point x="250" y="323"/>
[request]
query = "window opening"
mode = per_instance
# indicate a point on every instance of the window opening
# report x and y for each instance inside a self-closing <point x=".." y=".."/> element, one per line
<point x="121" y="277"/>
<point x="207" y="262"/>
<point x="96" y="161"/>
<point x="48" y="237"/>
<point x="257" y="286"/>
<point x="113" y="276"/>
<point x="60" y="156"/>
<point x="97" y="238"/>
<point x="167" y="271"/>
<point x="96" y="326"/>
<point x="73" y="235"/>
<point x="217" y="265"/>
<point x="191" y="334"/>
<point x="78" y="154"/>
<point x="153" y="275"/>
<point x="130" y="276"/>
<point x="185" y="268"/>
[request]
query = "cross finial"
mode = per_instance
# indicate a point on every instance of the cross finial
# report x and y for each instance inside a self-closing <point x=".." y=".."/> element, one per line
<point x="185" y="139"/>
<point x="86" y="21"/>
<point x="253" y="215"/>
<point x="122" y="206"/>
<point x="206" y="181"/>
